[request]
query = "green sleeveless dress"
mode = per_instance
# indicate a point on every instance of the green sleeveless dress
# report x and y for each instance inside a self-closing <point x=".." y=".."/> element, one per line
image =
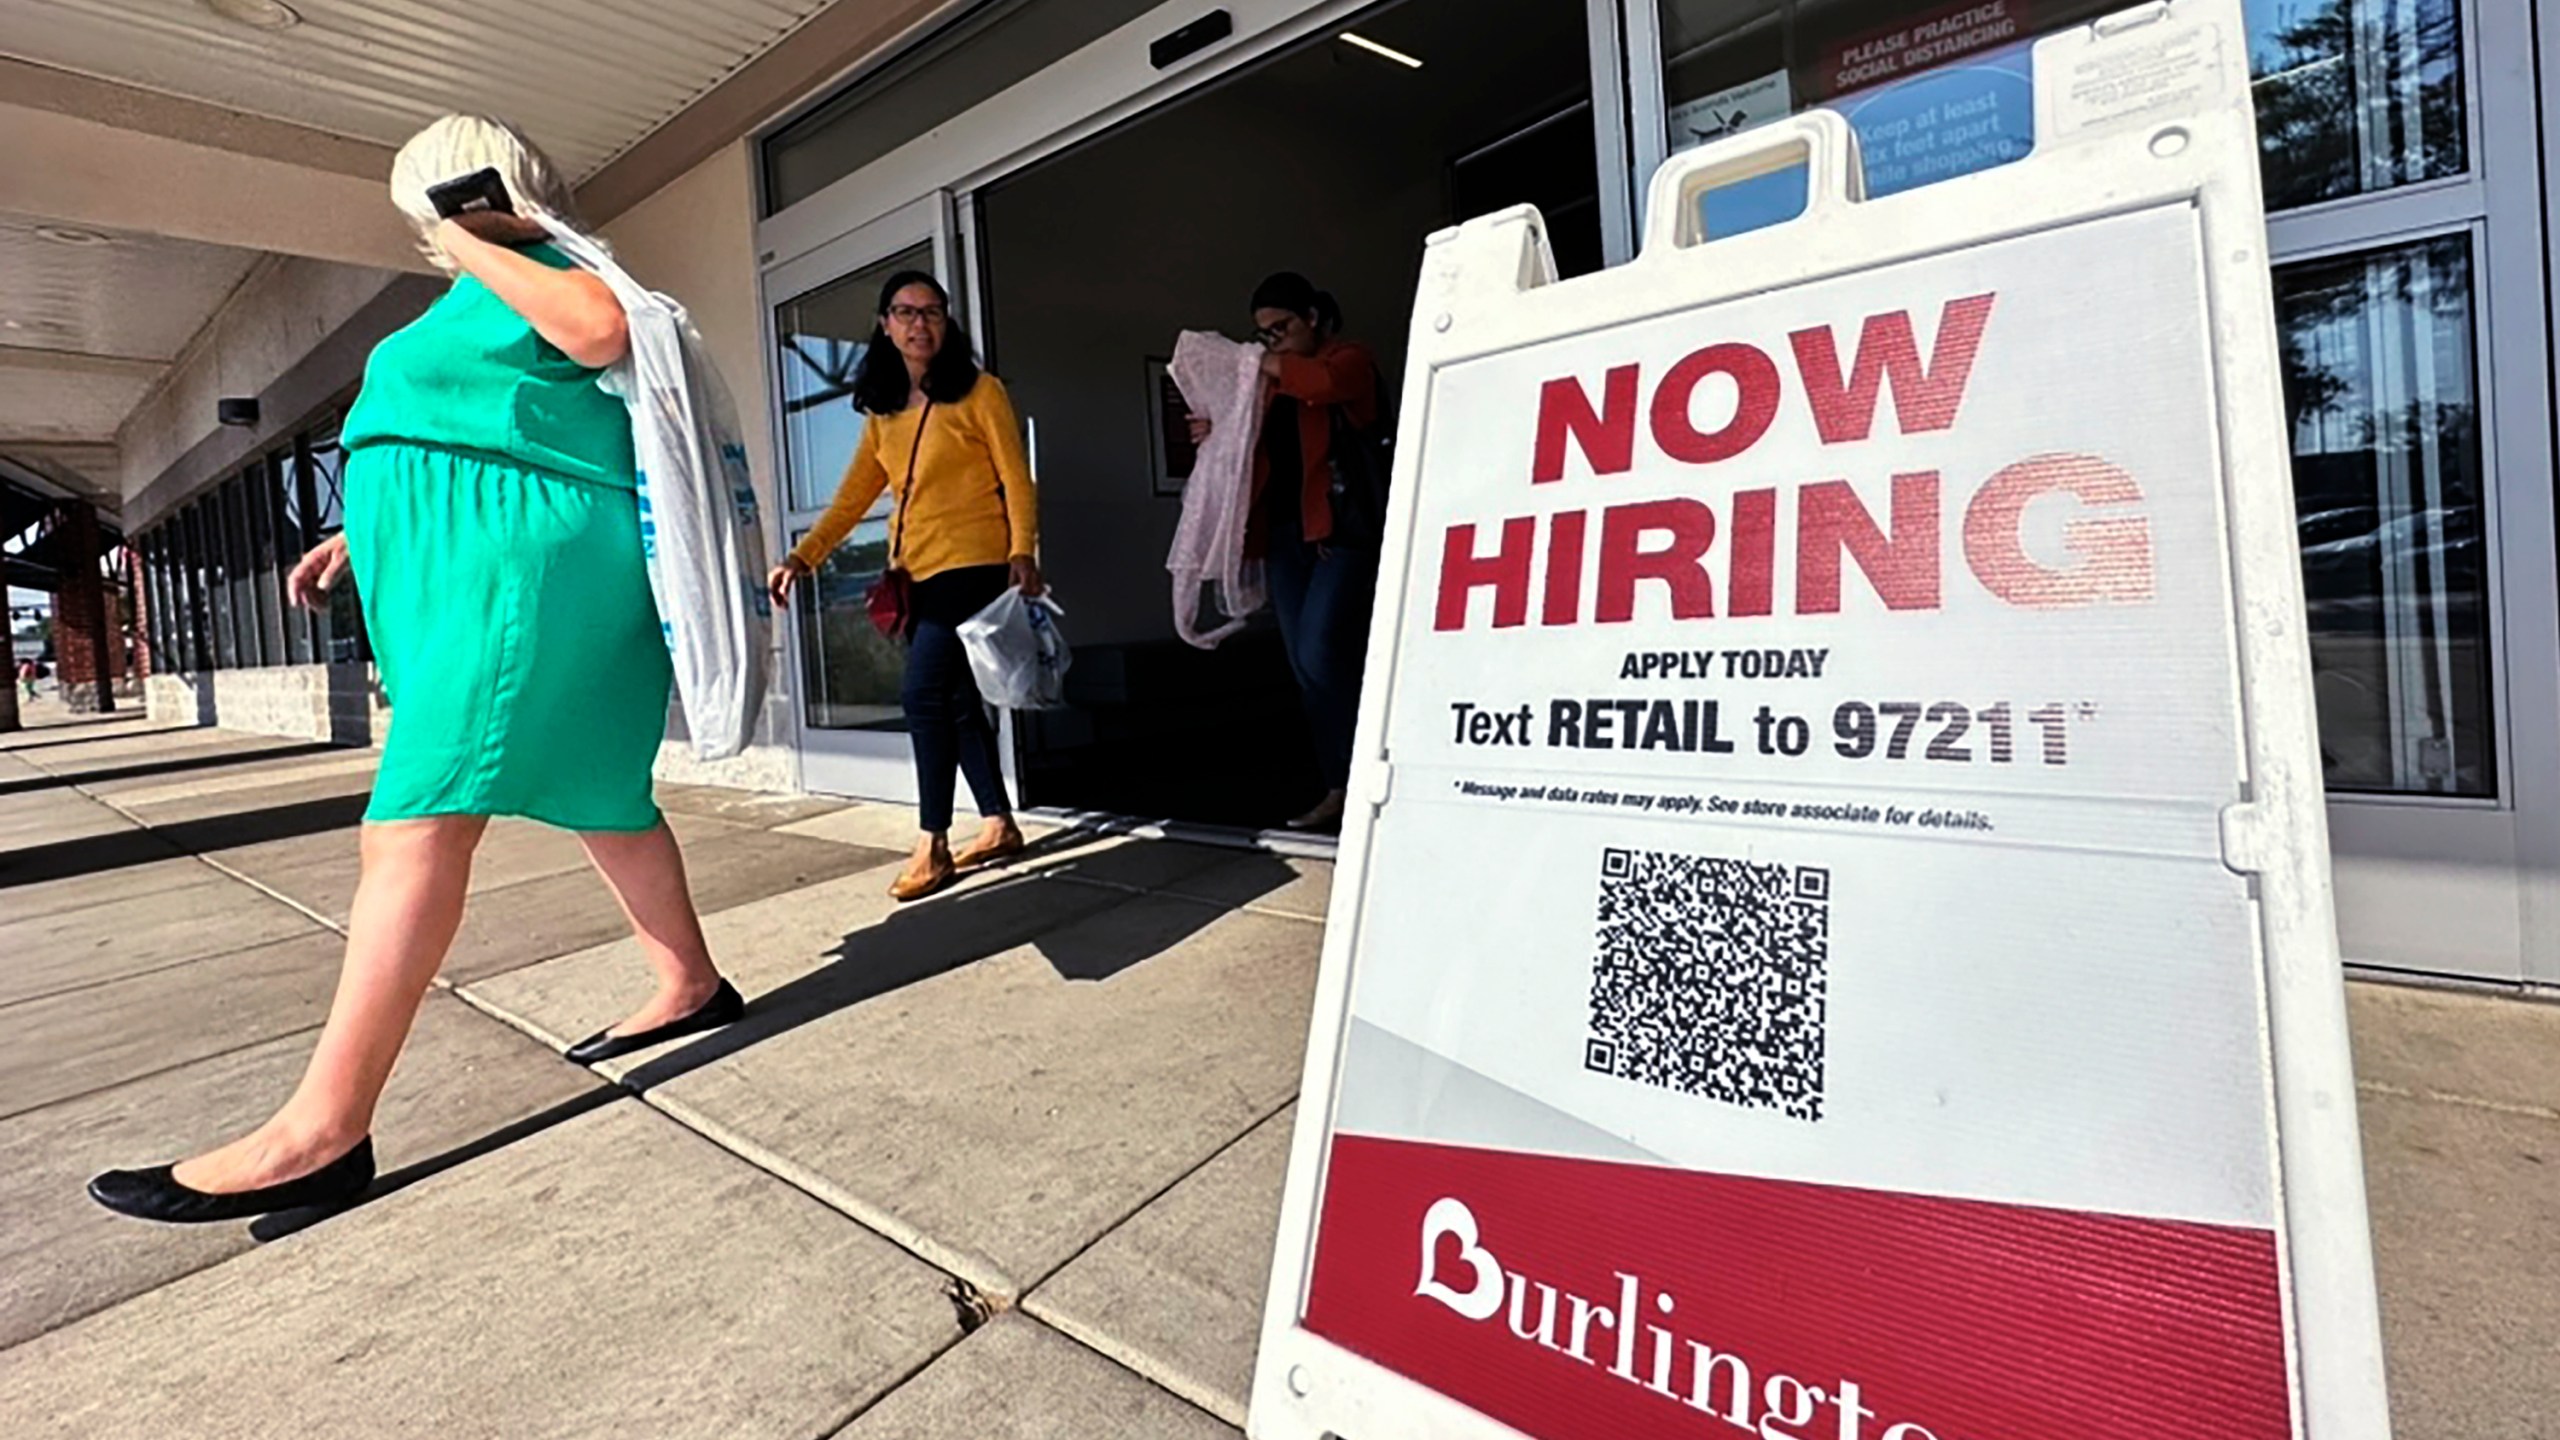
<point x="494" y="534"/>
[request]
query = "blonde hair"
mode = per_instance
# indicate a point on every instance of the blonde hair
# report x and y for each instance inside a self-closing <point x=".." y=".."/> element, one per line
<point x="460" y="145"/>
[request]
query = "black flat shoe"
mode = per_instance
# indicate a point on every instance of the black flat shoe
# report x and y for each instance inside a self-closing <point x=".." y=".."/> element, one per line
<point x="723" y="1008"/>
<point x="155" y="1194"/>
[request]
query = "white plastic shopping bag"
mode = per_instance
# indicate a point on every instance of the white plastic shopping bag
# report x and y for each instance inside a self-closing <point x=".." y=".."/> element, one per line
<point x="1017" y="653"/>
<point x="699" y="529"/>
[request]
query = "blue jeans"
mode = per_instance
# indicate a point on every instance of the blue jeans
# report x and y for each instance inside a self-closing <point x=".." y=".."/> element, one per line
<point x="946" y="717"/>
<point x="1322" y="595"/>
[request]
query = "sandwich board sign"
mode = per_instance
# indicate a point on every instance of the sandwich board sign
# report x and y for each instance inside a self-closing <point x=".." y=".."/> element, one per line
<point x="1833" y="939"/>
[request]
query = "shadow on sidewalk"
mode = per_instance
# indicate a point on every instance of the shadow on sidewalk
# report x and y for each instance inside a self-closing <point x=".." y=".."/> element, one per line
<point x="9" y="749"/>
<point x="42" y="727"/>
<point x="1036" y="904"/>
<point x="290" y="1222"/>
<point x="96" y="854"/>
<point x="53" y="780"/>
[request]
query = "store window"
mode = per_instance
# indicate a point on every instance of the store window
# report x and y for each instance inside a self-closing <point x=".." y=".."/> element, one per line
<point x="179" y="553"/>
<point x="2356" y="96"/>
<point x="993" y="46"/>
<point x="217" y="568"/>
<point x="155" y="606"/>
<point x="257" y="506"/>
<point x="216" y="562"/>
<point x="342" y="635"/>
<point x="285" y="483"/>
<point x="239" y="575"/>
<point x="2381" y="387"/>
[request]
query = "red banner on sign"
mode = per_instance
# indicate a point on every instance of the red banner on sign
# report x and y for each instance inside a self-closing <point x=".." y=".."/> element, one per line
<point x="1932" y="40"/>
<point x="1576" y="1298"/>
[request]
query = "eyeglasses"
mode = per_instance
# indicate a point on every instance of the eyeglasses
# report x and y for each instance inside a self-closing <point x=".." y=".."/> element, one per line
<point x="919" y="314"/>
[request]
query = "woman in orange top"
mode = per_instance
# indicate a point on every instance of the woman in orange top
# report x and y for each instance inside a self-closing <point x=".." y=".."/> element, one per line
<point x="941" y="437"/>
<point x="1323" y="570"/>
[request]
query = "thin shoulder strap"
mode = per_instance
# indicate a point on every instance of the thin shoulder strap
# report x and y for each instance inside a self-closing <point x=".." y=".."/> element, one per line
<point x="898" y="539"/>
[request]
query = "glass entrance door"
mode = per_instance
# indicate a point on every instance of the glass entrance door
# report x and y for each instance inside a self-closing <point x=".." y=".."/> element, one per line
<point x="852" y="733"/>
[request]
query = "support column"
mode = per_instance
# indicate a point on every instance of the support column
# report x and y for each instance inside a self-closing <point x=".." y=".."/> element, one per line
<point x="8" y="671"/>
<point x="84" y="624"/>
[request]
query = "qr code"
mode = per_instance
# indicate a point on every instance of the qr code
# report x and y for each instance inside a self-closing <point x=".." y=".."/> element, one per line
<point x="1711" y="978"/>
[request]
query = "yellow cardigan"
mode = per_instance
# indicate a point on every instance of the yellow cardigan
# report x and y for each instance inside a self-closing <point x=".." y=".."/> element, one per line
<point x="972" y="503"/>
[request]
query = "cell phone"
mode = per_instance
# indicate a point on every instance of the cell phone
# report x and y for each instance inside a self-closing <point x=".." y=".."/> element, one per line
<point x="474" y="193"/>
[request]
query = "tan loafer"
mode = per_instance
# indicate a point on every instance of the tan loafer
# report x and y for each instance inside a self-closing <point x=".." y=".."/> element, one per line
<point x="909" y="886"/>
<point x="988" y="852"/>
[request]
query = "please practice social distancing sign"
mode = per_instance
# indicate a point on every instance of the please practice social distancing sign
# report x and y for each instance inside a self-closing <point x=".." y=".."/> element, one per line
<point x="1835" y="938"/>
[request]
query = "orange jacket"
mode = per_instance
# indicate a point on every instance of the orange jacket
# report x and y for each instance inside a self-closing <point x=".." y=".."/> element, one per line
<point x="1341" y="373"/>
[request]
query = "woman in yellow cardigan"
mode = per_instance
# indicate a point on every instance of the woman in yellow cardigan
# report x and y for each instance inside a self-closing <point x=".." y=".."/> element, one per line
<point x="940" y="436"/>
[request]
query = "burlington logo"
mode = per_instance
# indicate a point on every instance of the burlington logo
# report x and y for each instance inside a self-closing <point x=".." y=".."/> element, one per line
<point x="1451" y="1218"/>
<point x="1681" y="1370"/>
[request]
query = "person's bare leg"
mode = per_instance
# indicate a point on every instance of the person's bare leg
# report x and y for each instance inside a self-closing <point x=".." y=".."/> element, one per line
<point x="645" y="871"/>
<point x="408" y="906"/>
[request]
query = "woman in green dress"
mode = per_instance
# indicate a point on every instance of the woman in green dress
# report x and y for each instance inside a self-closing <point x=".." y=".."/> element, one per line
<point x="493" y="529"/>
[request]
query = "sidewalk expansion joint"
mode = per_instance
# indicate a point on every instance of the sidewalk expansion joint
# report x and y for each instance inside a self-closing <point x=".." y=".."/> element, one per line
<point x="2468" y="1102"/>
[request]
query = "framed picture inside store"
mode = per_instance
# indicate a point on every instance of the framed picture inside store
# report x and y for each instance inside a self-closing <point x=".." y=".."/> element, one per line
<point x="1169" y="451"/>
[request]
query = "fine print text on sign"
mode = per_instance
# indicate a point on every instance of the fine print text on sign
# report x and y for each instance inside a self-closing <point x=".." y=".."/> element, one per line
<point x="1828" y="698"/>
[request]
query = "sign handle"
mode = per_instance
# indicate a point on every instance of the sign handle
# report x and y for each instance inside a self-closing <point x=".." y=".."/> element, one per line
<point x="1819" y="140"/>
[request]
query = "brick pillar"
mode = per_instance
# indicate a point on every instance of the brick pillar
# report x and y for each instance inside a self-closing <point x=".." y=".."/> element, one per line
<point x="84" y="624"/>
<point x="145" y="655"/>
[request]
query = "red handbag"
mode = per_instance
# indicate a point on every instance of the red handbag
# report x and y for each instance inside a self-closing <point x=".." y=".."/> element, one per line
<point x="891" y="602"/>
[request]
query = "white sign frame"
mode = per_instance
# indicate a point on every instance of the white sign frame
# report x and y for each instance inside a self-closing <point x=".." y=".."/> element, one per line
<point x="2185" y="137"/>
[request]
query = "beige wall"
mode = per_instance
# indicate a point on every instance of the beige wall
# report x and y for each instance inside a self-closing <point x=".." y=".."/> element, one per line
<point x="695" y="240"/>
<point x="285" y="308"/>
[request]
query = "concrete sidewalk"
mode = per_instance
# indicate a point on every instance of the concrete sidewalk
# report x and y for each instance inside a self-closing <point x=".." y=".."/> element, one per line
<point x="1005" y="1164"/>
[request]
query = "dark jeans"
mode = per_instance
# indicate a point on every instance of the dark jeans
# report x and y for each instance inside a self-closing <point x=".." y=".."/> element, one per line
<point x="1321" y="596"/>
<point x="946" y="718"/>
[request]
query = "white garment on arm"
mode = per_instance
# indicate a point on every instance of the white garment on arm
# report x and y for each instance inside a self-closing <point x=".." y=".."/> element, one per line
<point x="1221" y="381"/>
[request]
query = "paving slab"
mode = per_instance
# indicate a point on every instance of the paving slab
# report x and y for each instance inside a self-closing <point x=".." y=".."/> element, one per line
<point x="257" y="793"/>
<point x="2466" y="1223"/>
<point x="130" y="765"/>
<point x="760" y="808"/>
<point x="463" y="1078"/>
<point x="611" y="1276"/>
<point x="328" y="765"/>
<point x="69" y="1044"/>
<point x="319" y="869"/>
<point x="891" y="827"/>
<point x="998" y="1117"/>
<point x="319" y="872"/>
<point x="797" y="957"/>
<point x="55" y="747"/>
<point x="1016" y="1380"/>
<point x="1176" y="1293"/>
<point x="1125" y="862"/>
<point x="113" y="779"/>
<point x="149" y="879"/>
<point x="2456" y="1043"/>
<point x="68" y="949"/>
<point x="518" y="925"/>
<point x="1273" y="884"/>
<point x="32" y="822"/>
